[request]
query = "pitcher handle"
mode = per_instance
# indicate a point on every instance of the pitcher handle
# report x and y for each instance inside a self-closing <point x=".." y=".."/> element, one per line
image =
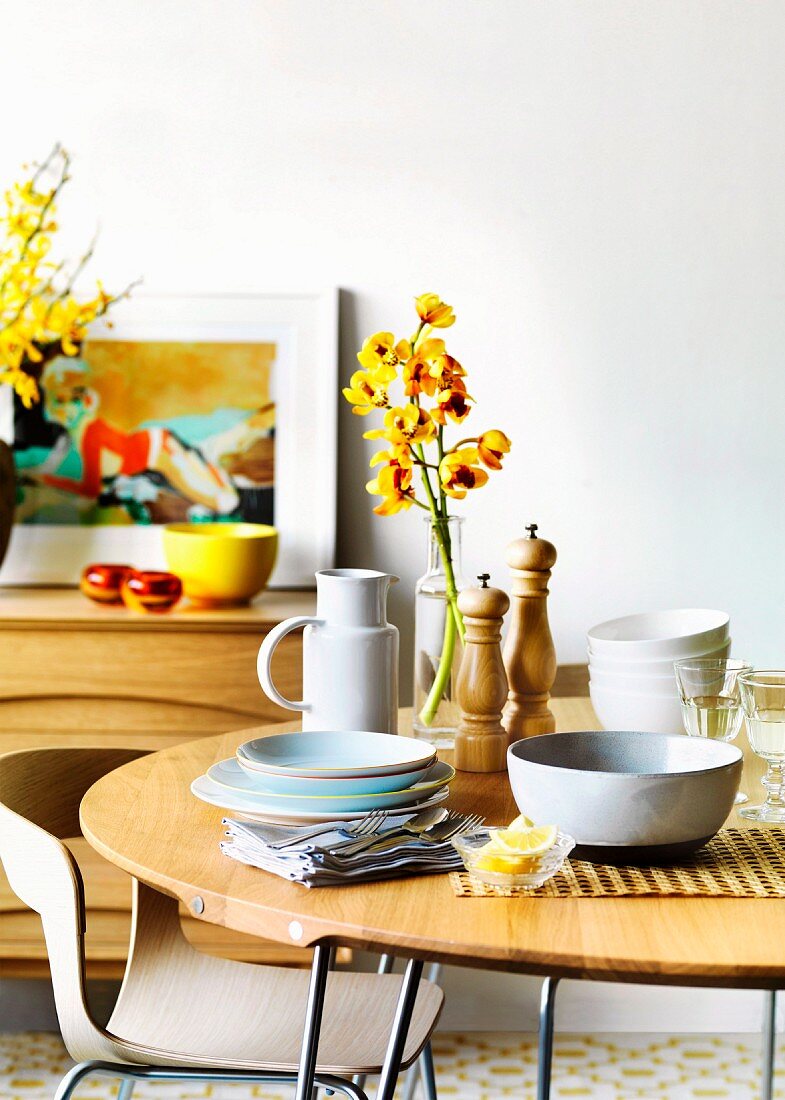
<point x="264" y="660"/>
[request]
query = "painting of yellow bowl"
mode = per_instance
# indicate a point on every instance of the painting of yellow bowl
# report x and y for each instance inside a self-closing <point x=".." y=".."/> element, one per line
<point x="221" y="564"/>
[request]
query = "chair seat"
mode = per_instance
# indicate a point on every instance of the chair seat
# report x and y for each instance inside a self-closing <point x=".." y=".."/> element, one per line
<point x="236" y="1015"/>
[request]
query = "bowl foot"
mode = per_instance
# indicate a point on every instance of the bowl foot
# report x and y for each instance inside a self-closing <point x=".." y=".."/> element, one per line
<point x="637" y="855"/>
<point x="204" y="603"/>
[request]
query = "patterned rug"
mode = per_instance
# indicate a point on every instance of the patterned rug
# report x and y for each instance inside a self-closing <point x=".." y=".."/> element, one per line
<point x="468" y="1067"/>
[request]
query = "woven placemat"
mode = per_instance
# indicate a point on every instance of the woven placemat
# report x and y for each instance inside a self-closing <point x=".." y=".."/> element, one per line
<point x="737" y="863"/>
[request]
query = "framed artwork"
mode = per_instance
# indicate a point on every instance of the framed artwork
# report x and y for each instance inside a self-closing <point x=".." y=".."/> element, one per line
<point x="213" y="408"/>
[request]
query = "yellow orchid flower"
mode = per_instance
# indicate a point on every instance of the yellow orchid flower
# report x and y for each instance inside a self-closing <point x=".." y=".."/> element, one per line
<point x="433" y="311"/>
<point x="24" y="384"/>
<point x="452" y="403"/>
<point x="365" y="393"/>
<point x="448" y="373"/>
<point x="394" y="484"/>
<point x="491" y="446"/>
<point x="405" y="425"/>
<point x="400" y="453"/>
<point x="459" y="472"/>
<point x="382" y="356"/>
<point x="418" y="376"/>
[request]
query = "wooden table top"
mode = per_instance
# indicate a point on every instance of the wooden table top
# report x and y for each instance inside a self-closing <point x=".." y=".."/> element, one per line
<point x="144" y="818"/>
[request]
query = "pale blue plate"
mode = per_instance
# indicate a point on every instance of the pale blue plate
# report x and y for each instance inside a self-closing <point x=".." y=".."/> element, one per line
<point x="333" y="754"/>
<point x="299" y="785"/>
<point x="230" y="775"/>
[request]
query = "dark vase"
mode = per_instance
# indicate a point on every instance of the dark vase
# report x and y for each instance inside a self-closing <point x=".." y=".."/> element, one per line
<point x="7" y="496"/>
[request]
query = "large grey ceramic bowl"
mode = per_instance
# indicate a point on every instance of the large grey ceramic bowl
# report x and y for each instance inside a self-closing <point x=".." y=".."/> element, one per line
<point x="626" y="797"/>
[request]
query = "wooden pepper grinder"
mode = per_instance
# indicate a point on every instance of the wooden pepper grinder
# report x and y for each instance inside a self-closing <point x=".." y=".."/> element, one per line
<point x="529" y="654"/>
<point x="481" y="741"/>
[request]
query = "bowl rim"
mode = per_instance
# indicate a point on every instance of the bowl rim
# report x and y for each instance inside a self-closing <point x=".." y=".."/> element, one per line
<point x="240" y="530"/>
<point x="629" y="694"/>
<point x="593" y="633"/>
<point x="625" y="775"/>
<point x="620" y="663"/>
<point x="636" y="685"/>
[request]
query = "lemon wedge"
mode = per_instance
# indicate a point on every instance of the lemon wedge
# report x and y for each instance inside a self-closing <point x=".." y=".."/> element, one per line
<point x="521" y="822"/>
<point x="505" y="865"/>
<point x="530" y="841"/>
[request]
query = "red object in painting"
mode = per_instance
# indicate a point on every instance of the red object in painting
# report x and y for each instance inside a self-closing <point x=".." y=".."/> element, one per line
<point x="150" y="590"/>
<point x="102" y="582"/>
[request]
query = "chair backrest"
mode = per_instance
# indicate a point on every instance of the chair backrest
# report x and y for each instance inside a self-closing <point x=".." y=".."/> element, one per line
<point x="40" y="792"/>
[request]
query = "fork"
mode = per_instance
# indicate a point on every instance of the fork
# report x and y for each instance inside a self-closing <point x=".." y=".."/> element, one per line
<point x="453" y="825"/>
<point x="366" y="826"/>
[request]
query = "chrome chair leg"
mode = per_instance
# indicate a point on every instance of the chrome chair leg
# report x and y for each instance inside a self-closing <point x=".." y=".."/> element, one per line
<point x="420" y="1069"/>
<point x="545" y="1040"/>
<point x="428" y="1073"/>
<point x="400" y="1029"/>
<point x="386" y="963"/>
<point x="313" y="1021"/>
<point x="126" y="1088"/>
<point x="73" y="1077"/>
<point x="769" y="1044"/>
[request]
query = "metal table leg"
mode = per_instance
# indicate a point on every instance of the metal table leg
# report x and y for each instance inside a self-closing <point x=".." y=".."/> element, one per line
<point x="400" y="1029"/>
<point x="545" y="1042"/>
<point x="769" y="1044"/>
<point x="313" y="1022"/>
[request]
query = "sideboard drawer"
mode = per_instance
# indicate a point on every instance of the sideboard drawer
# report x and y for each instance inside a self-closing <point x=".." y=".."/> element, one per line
<point x="194" y="683"/>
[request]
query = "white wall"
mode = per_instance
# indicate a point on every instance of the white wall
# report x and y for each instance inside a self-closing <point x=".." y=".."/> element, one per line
<point x="597" y="187"/>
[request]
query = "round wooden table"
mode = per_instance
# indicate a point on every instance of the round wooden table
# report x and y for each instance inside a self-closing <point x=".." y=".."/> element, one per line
<point x="143" y="818"/>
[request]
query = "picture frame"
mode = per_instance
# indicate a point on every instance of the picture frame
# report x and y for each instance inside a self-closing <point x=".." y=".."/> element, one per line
<point x="303" y="328"/>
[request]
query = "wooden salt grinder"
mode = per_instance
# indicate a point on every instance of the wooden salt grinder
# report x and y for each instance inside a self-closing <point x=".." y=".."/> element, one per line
<point x="481" y="740"/>
<point x="529" y="654"/>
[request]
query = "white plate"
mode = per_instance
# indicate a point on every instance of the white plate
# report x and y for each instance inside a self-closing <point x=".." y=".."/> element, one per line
<point x="230" y="775"/>
<point x="206" y="791"/>
<point x="321" y="754"/>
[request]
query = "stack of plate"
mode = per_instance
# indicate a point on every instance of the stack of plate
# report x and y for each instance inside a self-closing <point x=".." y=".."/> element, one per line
<point x="631" y="678"/>
<point x="303" y="778"/>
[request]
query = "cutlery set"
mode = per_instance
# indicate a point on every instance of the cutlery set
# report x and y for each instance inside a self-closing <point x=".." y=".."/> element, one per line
<point x="390" y="847"/>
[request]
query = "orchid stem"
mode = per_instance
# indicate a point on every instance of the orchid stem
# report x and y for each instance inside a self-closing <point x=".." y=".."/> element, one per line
<point x="443" y="673"/>
<point x="453" y="622"/>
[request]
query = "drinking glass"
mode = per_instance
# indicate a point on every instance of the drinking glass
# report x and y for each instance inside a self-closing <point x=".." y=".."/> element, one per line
<point x="710" y="697"/>
<point x="763" y="700"/>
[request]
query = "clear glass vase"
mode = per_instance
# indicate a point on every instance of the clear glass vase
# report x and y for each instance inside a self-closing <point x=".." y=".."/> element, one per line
<point x="437" y="635"/>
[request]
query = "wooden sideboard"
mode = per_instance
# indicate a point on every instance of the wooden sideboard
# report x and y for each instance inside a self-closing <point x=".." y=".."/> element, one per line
<point x="73" y="672"/>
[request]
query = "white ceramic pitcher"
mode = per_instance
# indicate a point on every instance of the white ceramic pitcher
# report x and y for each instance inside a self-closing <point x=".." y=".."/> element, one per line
<point x="350" y="655"/>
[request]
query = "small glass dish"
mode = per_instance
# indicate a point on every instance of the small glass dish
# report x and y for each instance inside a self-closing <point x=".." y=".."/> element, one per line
<point x="526" y="871"/>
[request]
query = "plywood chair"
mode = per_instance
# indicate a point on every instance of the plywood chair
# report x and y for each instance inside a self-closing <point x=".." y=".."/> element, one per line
<point x="181" y="1014"/>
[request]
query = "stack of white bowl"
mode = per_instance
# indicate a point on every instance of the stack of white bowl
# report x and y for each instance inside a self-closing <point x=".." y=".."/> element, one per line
<point x="631" y="678"/>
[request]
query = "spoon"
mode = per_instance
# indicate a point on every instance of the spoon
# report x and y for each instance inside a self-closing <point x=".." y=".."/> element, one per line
<point x="414" y="826"/>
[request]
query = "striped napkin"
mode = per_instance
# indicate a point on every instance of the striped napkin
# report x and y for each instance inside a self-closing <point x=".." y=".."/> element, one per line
<point x="313" y="863"/>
